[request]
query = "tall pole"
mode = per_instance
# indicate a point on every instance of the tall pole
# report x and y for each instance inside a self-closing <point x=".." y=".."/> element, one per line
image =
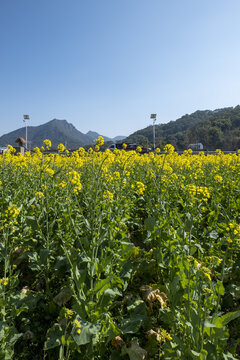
<point x="26" y="135"/>
<point x="154" y="117"/>
<point x="25" y="118"/>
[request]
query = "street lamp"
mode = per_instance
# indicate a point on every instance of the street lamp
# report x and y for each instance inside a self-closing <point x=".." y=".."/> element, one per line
<point x="154" y="117"/>
<point x="25" y="118"/>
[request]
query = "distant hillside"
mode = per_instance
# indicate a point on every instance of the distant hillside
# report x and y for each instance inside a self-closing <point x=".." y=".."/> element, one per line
<point x="94" y="135"/>
<point x="58" y="131"/>
<point x="118" y="138"/>
<point x="214" y="129"/>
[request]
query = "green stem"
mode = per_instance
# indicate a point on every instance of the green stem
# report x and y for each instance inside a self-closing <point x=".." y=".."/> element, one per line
<point x="203" y="322"/>
<point x="6" y="269"/>
<point x="222" y="276"/>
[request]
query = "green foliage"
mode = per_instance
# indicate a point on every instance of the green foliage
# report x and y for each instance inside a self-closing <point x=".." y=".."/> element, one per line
<point x="218" y="129"/>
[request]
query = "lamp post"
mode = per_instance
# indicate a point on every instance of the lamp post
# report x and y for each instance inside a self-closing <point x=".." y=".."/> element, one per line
<point x="154" y="117"/>
<point x="25" y="118"/>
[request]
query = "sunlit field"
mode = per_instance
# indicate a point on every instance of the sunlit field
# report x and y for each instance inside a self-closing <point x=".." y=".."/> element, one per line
<point x="118" y="255"/>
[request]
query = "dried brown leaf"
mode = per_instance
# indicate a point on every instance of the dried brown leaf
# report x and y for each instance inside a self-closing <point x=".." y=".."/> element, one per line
<point x="151" y="333"/>
<point x="117" y="342"/>
<point x="151" y="295"/>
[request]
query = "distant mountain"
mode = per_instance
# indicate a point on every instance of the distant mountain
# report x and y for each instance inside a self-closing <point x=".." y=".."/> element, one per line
<point x="214" y="129"/>
<point x="118" y="138"/>
<point x="94" y="135"/>
<point x="58" y="131"/>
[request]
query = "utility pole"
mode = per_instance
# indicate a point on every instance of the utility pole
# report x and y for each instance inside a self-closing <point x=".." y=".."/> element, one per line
<point x="25" y="119"/>
<point x="154" y="117"/>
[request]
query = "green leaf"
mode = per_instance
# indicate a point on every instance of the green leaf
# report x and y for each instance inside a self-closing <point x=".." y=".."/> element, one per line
<point x="88" y="330"/>
<point x="126" y="249"/>
<point x="225" y="319"/>
<point x="195" y="354"/>
<point x="130" y="326"/>
<point x="43" y="255"/>
<point x="213" y="235"/>
<point x="34" y="261"/>
<point x="228" y="356"/>
<point x="63" y="297"/>
<point x="150" y="223"/>
<point x="101" y="286"/>
<point x="108" y="296"/>
<point x="61" y="262"/>
<point x="135" y="352"/>
<point x="219" y="288"/>
<point x="203" y="354"/>
<point x="54" y="337"/>
<point x="211" y="349"/>
<point x="8" y="334"/>
<point x="207" y="324"/>
<point x="2" y="331"/>
<point x="138" y="315"/>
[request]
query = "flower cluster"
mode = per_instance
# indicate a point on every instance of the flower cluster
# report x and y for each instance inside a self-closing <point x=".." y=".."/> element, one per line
<point x="140" y="187"/>
<point x="108" y="196"/>
<point x="61" y="148"/>
<point x="218" y="178"/>
<point x="100" y="142"/>
<point x="62" y="184"/>
<point x="39" y="194"/>
<point x="49" y="171"/>
<point x="78" y="326"/>
<point x="234" y="231"/>
<point x="168" y="149"/>
<point x="47" y="143"/>
<point x="68" y="313"/>
<point x="4" y="281"/>
<point x="74" y="178"/>
<point x="163" y="335"/>
<point x="199" y="192"/>
<point x="10" y="149"/>
<point x="12" y="211"/>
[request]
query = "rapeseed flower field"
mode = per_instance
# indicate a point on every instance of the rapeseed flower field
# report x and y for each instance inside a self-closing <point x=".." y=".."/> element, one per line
<point x="119" y="255"/>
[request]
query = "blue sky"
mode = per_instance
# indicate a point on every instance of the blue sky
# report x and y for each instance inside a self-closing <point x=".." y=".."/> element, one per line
<point x="106" y="65"/>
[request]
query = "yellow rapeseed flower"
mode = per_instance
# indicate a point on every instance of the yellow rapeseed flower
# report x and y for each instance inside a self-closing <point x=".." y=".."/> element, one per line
<point x="4" y="281"/>
<point x="49" y="171"/>
<point x="78" y="326"/>
<point x="47" y="143"/>
<point x="207" y="275"/>
<point x="140" y="187"/>
<point x="108" y="196"/>
<point x="61" y="148"/>
<point x="39" y="194"/>
<point x="168" y="149"/>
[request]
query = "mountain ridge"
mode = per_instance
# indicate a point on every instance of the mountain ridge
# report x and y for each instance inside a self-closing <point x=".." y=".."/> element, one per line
<point x="58" y="131"/>
<point x="218" y="128"/>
